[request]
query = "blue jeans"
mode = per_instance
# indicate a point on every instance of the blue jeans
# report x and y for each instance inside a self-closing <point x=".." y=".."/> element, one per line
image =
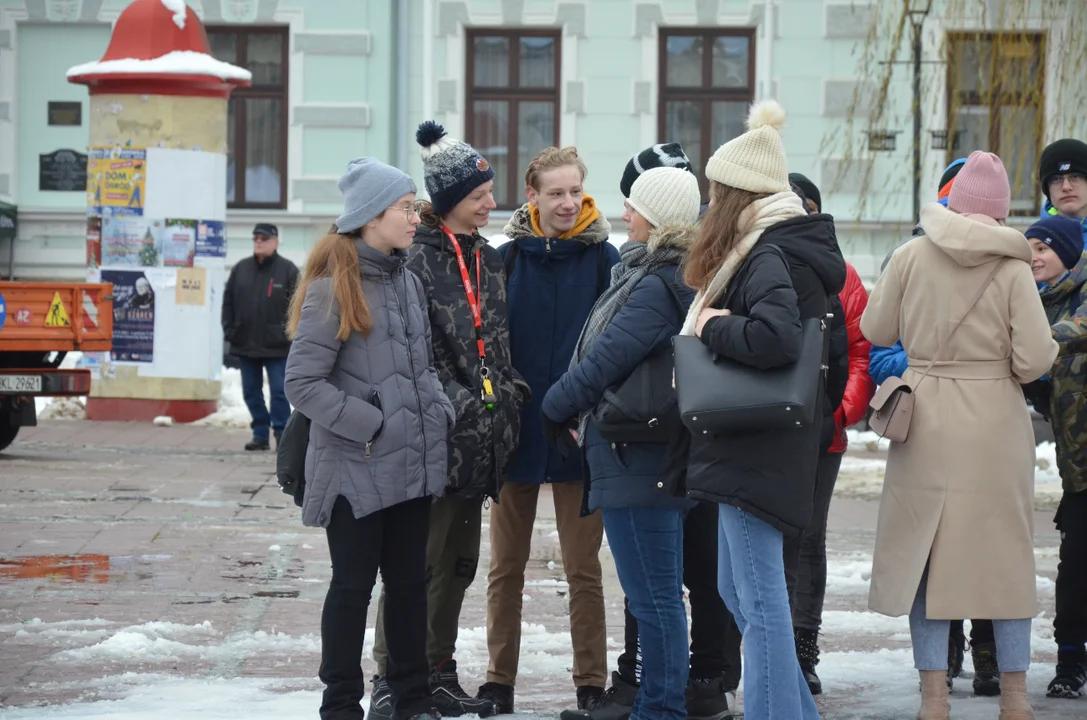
<point x="647" y="544"/>
<point x="751" y="578"/>
<point x="253" y="392"/>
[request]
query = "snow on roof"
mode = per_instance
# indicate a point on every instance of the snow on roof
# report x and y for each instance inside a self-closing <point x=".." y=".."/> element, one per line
<point x="179" y="62"/>
<point x="177" y="7"/>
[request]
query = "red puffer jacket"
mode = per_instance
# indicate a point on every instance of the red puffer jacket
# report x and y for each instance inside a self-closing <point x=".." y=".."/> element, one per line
<point x="859" y="388"/>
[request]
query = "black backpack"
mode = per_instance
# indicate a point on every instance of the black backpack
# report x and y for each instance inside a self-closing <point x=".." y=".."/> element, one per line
<point x="291" y="457"/>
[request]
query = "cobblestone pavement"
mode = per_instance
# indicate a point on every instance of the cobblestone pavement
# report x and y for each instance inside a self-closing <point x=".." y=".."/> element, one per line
<point x="133" y="554"/>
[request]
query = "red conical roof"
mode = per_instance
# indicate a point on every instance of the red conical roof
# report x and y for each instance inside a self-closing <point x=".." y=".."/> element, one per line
<point x="160" y="47"/>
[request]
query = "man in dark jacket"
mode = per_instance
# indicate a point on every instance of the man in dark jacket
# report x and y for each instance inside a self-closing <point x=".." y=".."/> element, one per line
<point x="255" y="303"/>
<point x="558" y="264"/>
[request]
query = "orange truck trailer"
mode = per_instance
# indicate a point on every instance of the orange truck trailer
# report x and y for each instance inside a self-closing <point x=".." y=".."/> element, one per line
<point x="40" y="323"/>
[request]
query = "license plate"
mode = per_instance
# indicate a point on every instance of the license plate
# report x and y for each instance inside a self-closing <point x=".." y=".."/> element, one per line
<point x="17" y="384"/>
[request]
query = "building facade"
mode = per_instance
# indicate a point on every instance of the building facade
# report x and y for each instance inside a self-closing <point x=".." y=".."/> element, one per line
<point x="338" y="79"/>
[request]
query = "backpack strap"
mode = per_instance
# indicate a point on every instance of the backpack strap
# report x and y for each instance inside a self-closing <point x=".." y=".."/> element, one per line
<point x="668" y="276"/>
<point x="510" y="259"/>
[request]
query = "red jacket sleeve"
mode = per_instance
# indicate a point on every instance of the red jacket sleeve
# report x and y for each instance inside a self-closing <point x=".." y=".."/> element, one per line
<point x="859" y="387"/>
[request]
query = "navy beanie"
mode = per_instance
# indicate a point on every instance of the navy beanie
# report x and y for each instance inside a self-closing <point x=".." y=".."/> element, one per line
<point x="1063" y="235"/>
<point x="808" y="189"/>
<point x="451" y="169"/>
<point x="660" y="155"/>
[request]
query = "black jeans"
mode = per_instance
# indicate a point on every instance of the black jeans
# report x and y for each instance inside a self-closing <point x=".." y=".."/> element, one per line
<point x="715" y="639"/>
<point x="806" y="555"/>
<point x="394" y="540"/>
<point x="1070" y="622"/>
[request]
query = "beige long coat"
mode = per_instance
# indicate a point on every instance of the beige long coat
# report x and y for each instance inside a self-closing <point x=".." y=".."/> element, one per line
<point x="959" y="493"/>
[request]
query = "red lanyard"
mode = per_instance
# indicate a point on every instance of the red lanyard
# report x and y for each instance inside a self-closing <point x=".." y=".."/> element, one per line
<point x="473" y="295"/>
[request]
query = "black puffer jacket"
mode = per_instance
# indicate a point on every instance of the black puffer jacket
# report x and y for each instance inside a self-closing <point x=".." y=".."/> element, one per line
<point x="483" y="442"/>
<point x="770" y="474"/>
<point x="255" y="304"/>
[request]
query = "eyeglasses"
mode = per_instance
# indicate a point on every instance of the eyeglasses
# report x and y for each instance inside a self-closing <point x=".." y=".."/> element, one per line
<point x="1074" y="179"/>
<point x="408" y="210"/>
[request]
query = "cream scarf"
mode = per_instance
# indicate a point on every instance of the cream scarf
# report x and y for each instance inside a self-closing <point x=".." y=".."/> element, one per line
<point x="756" y="217"/>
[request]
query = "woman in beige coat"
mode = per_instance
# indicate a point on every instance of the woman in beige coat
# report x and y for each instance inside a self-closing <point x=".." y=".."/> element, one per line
<point x="955" y="532"/>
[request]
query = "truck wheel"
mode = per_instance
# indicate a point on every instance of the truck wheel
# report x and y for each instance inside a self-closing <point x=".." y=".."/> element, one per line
<point x="7" y="433"/>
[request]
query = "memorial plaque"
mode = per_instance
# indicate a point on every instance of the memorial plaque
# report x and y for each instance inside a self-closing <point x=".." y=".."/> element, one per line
<point x="65" y="113"/>
<point x="63" y="170"/>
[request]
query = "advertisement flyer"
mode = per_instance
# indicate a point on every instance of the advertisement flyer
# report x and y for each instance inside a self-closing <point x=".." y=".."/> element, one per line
<point x="133" y="315"/>
<point x="131" y="241"/>
<point x="179" y="243"/>
<point x="211" y="239"/>
<point x="191" y="284"/>
<point x="116" y="180"/>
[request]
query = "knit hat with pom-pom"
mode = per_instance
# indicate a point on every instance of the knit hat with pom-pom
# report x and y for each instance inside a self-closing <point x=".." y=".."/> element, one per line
<point x="754" y="161"/>
<point x="451" y="169"/>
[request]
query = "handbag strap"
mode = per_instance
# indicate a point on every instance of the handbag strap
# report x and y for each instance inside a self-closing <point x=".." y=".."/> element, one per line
<point x="943" y="343"/>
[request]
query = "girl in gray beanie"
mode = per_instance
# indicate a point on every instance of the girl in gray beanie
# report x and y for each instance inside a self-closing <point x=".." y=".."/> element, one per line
<point x="361" y="355"/>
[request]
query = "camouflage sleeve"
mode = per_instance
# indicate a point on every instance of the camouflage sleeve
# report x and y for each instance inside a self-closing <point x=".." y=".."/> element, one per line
<point x="1071" y="333"/>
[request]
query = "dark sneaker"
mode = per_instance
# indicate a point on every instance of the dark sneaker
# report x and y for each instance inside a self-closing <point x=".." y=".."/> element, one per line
<point x="956" y="649"/>
<point x="449" y="697"/>
<point x="1071" y="675"/>
<point x="430" y="715"/>
<point x="500" y="696"/>
<point x="257" y="445"/>
<point x="807" y="652"/>
<point x="986" y="671"/>
<point x="615" y="703"/>
<point x="588" y="696"/>
<point x="707" y="699"/>
<point x="381" y="700"/>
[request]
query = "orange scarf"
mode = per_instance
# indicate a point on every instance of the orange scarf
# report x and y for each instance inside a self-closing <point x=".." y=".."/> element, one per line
<point x="585" y="218"/>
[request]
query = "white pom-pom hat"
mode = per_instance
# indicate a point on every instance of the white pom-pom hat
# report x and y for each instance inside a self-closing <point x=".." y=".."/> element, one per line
<point x="754" y="161"/>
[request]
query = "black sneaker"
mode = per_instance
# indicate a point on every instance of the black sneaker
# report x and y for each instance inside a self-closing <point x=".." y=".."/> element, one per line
<point x="956" y="649"/>
<point x="807" y="652"/>
<point x="381" y="700"/>
<point x="1071" y="675"/>
<point x="588" y="696"/>
<point x="257" y="445"/>
<point x="615" y="703"/>
<point x="449" y="697"/>
<point x="707" y="699"/>
<point x="429" y="715"/>
<point x="986" y="671"/>
<point x="499" y="695"/>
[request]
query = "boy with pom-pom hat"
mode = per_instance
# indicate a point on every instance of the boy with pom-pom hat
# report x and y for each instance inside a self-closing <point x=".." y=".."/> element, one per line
<point x="461" y="273"/>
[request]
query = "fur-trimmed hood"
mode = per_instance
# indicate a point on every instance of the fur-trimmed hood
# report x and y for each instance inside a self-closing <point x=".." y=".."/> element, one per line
<point x="520" y="226"/>
<point x="673" y="235"/>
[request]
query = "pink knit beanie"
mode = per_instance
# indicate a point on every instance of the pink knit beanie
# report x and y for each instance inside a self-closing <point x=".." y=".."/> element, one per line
<point x="981" y="187"/>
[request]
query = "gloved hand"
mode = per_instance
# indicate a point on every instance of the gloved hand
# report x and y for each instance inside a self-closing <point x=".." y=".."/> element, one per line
<point x="558" y="434"/>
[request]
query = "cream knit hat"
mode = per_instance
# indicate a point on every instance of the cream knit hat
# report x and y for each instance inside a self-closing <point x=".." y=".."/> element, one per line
<point x="666" y="195"/>
<point x="754" y="161"/>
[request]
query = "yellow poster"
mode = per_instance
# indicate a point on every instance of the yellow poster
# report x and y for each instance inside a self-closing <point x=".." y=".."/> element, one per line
<point x="191" y="285"/>
<point x="116" y="180"/>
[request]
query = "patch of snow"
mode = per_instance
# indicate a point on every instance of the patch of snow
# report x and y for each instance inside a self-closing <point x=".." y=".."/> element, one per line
<point x="163" y="421"/>
<point x="179" y="62"/>
<point x="232" y="412"/>
<point x="867" y="440"/>
<point x="61" y="408"/>
<point x="274" y="548"/>
<point x="177" y="7"/>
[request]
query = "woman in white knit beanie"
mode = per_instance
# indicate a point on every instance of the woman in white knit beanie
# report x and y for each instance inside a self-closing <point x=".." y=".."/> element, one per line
<point x="761" y="265"/>
<point x="633" y="320"/>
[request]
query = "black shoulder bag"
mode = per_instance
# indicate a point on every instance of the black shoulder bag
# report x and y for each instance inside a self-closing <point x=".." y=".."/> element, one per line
<point x="291" y="456"/>
<point x="643" y="408"/>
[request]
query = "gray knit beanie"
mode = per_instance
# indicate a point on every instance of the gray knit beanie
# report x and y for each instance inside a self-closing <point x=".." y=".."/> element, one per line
<point x="369" y="188"/>
<point x="451" y="169"/>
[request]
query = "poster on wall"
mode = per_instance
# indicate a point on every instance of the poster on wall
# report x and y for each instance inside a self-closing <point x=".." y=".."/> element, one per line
<point x="210" y="239"/>
<point x="178" y="242"/>
<point x="131" y="241"/>
<point x="133" y="315"/>
<point x="94" y="243"/>
<point x="191" y="285"/>
<point x="116" y="181"/>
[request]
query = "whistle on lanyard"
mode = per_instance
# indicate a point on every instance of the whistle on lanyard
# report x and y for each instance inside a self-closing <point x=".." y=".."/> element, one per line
<point x="487" y="393"/>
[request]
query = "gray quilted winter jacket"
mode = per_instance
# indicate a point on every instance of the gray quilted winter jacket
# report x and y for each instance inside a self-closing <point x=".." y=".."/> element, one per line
<point x="379" y="416"/>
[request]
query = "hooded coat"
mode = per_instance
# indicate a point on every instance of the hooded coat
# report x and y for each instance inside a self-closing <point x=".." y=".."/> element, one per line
<point x="553" y="286"/>
<point x="483" y="442"/>
<point x="625" y="475"/>
<point x="958" y="495"/>
<point x="859" y="387"/>
<point x="378" y="416"/>
<point x="770" y="474"/>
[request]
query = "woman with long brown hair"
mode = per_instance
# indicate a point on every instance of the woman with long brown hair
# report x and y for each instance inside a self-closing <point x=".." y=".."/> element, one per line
<point x="361" y="370"/>
<point x="761" y="265"/>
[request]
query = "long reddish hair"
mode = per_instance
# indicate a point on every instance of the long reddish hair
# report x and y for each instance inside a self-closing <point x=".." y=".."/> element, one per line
<point x="719" y="233"/>
<point x="334" y="256"/>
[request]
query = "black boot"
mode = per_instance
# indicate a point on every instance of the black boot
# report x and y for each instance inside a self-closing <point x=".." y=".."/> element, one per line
<point x="449" y="697"/>
<point x="956" y="649"/>
<point x="588" y="696"/>
<point x="807" y="652"/>
<point x="615" y="703"/>
<point x="986" y="671"/>
<point x="381" y="700"/>
<point x="1071" y="674"/>
<point x="258" y="444"/>
<point x="498" y="695"/>
<point x="707" y="699"/>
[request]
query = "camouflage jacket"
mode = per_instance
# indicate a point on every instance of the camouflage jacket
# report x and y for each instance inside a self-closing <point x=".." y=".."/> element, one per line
<point x="1066" y="307"/>
<point x="483" y="442"/>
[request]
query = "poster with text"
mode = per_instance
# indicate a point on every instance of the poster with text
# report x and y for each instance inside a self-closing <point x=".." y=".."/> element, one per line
<point x="116" y="180"/>
<point x="133" y="316"/>
<point x="131" y="241"/>
<point x="211" y="239"/>
<point x="179" y="243"/>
